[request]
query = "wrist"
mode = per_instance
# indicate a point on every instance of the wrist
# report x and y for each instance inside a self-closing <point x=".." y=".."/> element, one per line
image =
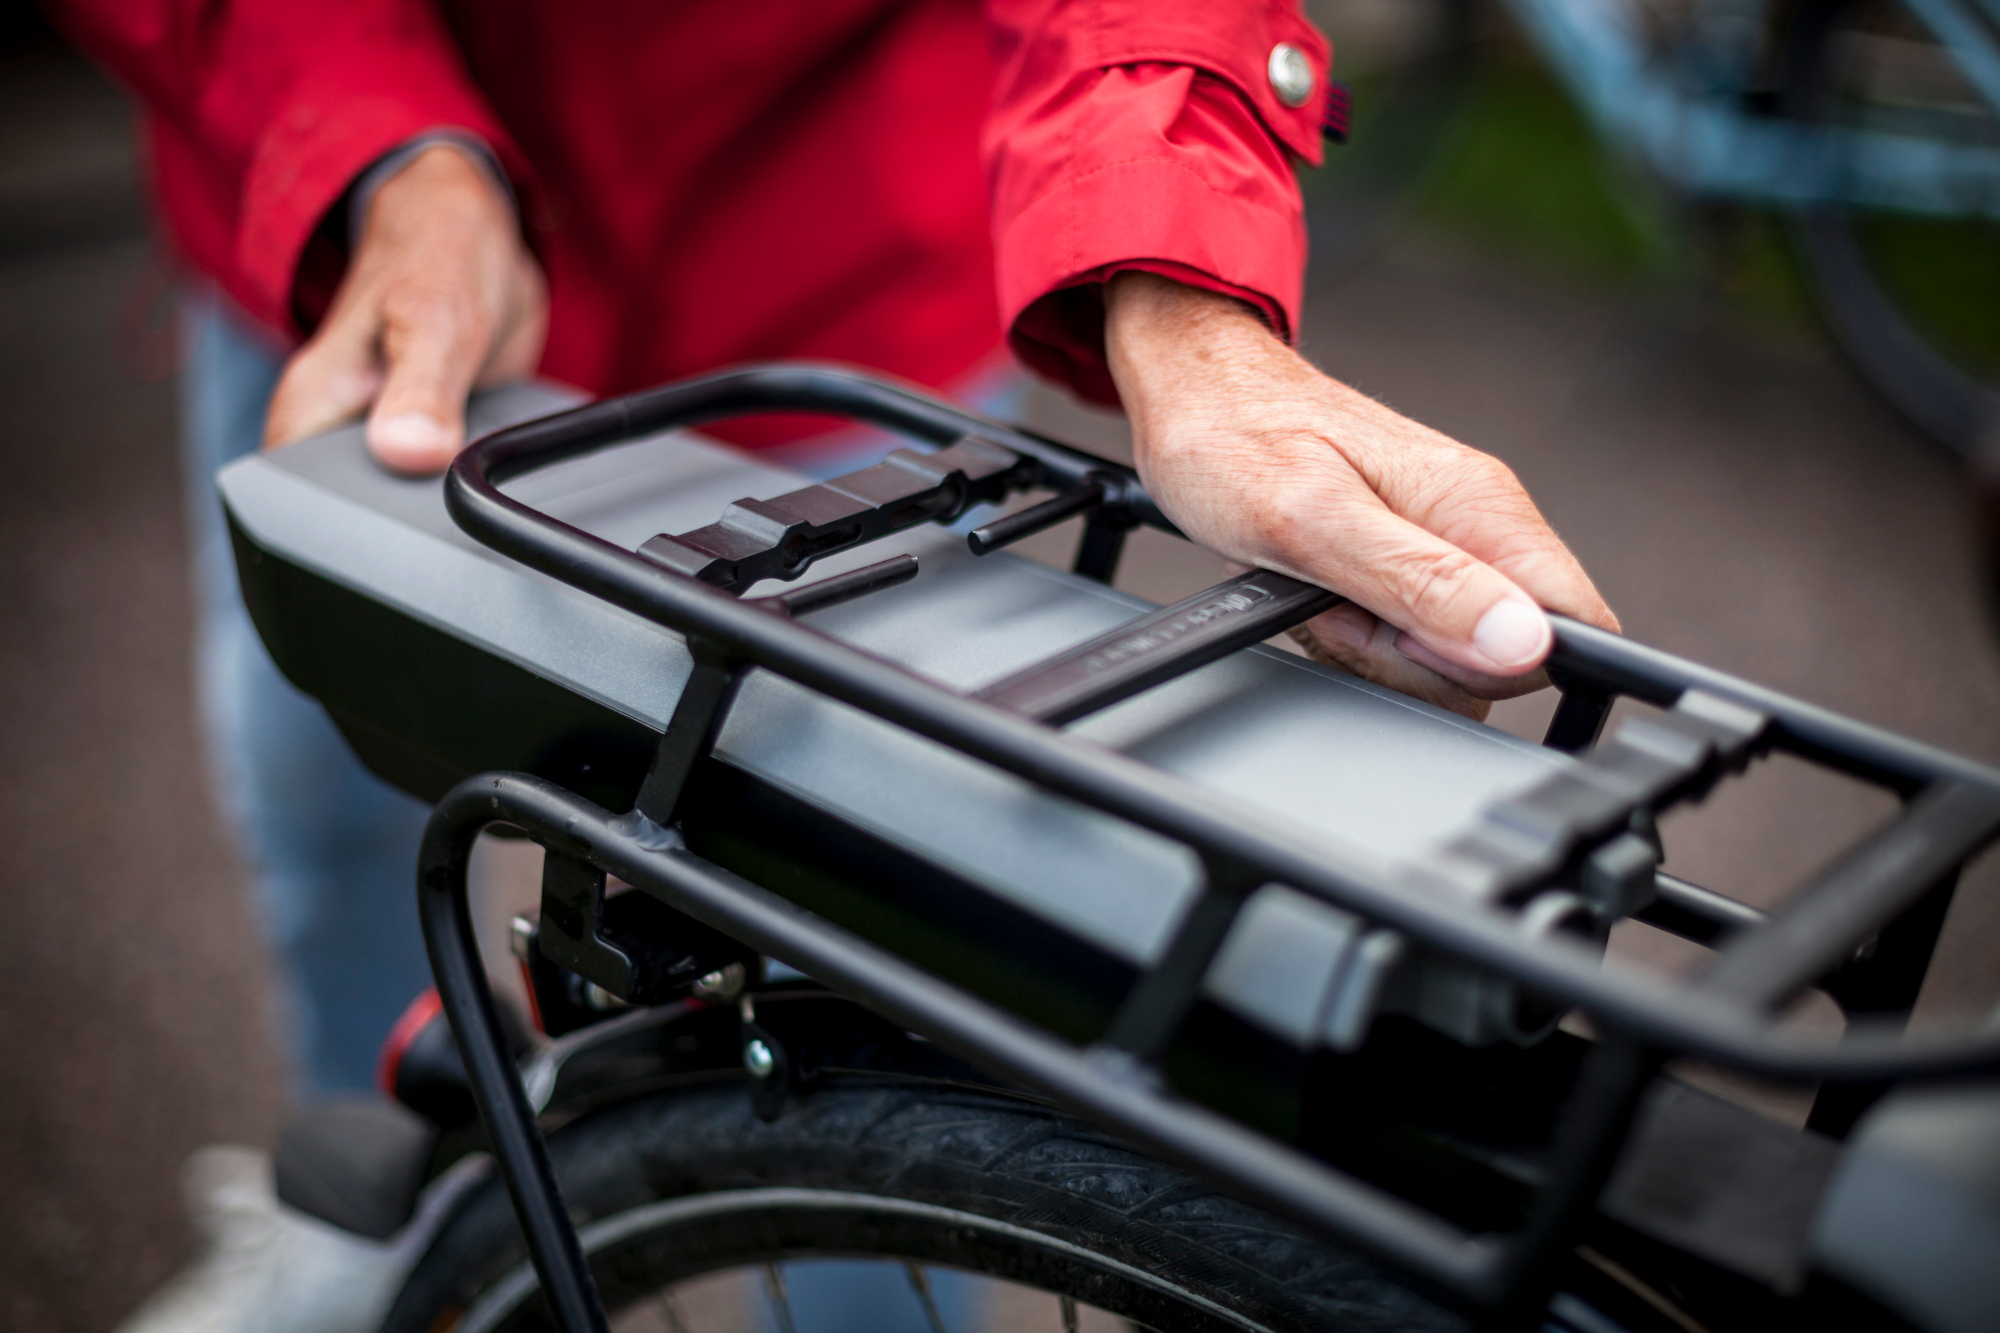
<point x="1169" y="344"/>
<point x="441" y="187"/>
<point x="426" y="148"/>
<point x="1143" y="307"/>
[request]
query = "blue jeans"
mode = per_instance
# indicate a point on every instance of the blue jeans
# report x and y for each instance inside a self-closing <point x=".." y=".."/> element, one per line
<point x="331" y="849"/>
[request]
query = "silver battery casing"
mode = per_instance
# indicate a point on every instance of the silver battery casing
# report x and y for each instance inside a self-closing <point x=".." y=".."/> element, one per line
<point x="1362" y="769"/>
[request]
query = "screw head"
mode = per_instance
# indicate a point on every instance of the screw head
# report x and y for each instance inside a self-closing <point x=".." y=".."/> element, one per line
<point x="722" y="984"/>
<point x="759" y="1059"/>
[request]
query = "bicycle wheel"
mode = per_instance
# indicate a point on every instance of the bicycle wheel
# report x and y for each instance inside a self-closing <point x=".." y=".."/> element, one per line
<point x="1914" y="300"/>
<point x="1407" y="64"/>
<point x="679" y="1187"/>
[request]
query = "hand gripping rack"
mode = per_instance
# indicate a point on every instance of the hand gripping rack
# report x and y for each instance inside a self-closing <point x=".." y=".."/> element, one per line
<point x="1863" y="930"/>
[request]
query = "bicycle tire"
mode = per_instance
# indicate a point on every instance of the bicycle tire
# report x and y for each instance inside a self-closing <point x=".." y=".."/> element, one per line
<point x="679" y="1184"/>
<point x="1924" y="383"/>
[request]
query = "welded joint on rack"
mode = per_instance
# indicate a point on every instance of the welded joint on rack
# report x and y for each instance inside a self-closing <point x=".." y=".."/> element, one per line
<point x="712" y="683"/>
<point x="1102" y="544"/>
<point x="1580" y="713"/>
<point x="1882" y="978"/>
<point x="1880" y="985"/>
<point x="1816" y="734"/>
<point x="1872" y="884"/>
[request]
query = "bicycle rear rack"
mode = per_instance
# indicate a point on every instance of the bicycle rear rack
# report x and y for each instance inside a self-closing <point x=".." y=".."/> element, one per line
<point x="1890" y="890"/>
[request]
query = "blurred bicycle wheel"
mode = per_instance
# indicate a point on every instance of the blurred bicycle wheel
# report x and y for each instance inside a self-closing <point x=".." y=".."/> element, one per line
<point x="1913" y="298"/>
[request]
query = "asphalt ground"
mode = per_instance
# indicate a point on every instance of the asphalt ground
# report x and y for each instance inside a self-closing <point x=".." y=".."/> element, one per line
<point x="1739" y="496"/>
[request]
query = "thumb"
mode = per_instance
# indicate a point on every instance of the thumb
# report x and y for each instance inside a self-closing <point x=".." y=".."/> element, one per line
<point x="1463" y="610"/>
<point x="418" y="425"/>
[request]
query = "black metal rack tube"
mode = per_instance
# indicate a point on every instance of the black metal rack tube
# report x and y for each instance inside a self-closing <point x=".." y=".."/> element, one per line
<point x="804" y="387"/>
<point x="444" y="907"/>
<point x="1811" y="732"/>
<point x="1694" y="912"/>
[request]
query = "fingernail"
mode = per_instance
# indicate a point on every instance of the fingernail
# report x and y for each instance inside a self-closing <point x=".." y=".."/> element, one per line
<point x="1512" y="633"/>
<point x="412" y="439"/>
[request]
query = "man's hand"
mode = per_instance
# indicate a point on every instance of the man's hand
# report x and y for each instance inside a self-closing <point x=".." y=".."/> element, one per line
<point x="442" y="296"/>
<point x="1261" y="458"/>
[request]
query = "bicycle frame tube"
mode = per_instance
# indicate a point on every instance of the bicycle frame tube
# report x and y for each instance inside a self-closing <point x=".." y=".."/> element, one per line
<point x="1968" y="41"/>
<point x="1705" y="144"/>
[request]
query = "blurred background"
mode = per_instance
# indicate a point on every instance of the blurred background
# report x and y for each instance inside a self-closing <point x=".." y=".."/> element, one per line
<point x="1656" y="362"/>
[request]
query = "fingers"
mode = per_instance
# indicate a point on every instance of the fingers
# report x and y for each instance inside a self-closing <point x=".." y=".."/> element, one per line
<point x="441" y="295"/>
<point x="1471" y="616"/>
<point x="332" y="379"/>
<point x="1359" y="642"/>
<point x="1257" y="455"/>
<point x="1476" y="503"/>
<point x="413" y="356"/>
<point x="1476" y="683"/>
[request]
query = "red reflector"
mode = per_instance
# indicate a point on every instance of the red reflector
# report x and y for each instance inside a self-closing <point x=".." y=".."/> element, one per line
<point x="413" y="1021"/>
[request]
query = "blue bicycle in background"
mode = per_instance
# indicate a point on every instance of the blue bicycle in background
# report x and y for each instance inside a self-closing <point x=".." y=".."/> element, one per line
<point x="1873" y="126"/>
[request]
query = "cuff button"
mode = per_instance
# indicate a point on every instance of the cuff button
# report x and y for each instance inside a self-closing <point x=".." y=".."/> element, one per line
<point x="1291" y="74"/>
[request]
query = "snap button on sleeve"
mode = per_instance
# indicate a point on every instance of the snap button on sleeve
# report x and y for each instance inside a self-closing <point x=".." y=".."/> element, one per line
<point x="1291" y="74"/>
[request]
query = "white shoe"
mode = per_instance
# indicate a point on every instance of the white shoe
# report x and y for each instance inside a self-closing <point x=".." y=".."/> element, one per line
<point x="266" y="1268"/>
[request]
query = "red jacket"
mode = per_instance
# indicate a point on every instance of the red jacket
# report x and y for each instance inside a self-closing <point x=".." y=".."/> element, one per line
<point x="887" y="182"/>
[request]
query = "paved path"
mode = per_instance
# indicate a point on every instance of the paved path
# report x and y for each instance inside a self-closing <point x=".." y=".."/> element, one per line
<point x="132" y="992"/>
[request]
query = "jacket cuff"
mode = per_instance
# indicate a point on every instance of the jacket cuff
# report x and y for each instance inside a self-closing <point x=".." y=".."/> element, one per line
<point x="1210" y="220"/>
<point x="1061" y="336"/>
<point x="385" y="169"/>
<point x="325" y="140"/>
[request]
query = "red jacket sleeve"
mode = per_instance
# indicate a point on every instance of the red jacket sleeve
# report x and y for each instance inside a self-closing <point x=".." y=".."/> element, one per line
<point x="261" y="112"/>
<point x="1143" y="134"/>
